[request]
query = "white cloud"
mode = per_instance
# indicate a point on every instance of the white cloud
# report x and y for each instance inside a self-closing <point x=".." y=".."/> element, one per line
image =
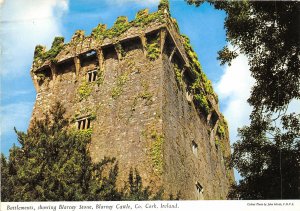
<point x="26" y="23"/>
<point x="15" y="115"/>
<point x="234" y="89"/>
<point x="140" y="2"/>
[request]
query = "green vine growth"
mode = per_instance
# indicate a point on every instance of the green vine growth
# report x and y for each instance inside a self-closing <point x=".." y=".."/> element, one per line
<point x="201" y="87"/>
<point x="178" y="74"/>
<point x="84" y="90"/>
<point x="86" y="133"/>
<point x="153" y="49"/>
<point x="100" y="77"/>
<point x="222" y="130"/>
<point x="157" y="151"/>
<point x="145" y="94"/>
<point x="40" y="55"/>
<point x="118" y="89"/>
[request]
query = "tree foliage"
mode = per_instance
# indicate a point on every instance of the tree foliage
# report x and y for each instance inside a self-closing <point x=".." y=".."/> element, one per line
<point x="267" y="157"/>
<point x="265" y="31"/>
<point x="267" y="154"/>
<point x="53" y="163"/>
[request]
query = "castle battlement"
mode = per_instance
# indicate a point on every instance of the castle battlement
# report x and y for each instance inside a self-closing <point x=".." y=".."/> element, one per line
<point x="121" y="33"/>
<point x="139" y="88"/>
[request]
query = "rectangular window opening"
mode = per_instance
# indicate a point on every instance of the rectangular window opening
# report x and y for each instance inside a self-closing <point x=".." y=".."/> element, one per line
<point x="84" y="123"/>
<point x="92" y="76"/>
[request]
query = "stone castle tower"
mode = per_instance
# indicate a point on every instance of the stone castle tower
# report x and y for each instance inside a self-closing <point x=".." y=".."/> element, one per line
<point x="139" y="88"/>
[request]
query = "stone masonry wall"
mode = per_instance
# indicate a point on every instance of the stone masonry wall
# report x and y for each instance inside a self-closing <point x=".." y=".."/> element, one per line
<point x="126" y="120"/>
<point x="182" y="125"/>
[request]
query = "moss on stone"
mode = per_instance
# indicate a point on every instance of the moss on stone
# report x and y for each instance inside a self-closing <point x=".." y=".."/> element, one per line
<point x="144" y="20"/>
<point x="118" y="89"/>
<point x="86" y="133"/>
<point x="220" y="145"/>
<point x="122" y="25"/>
<point x="40" y="55"/>
<point x="222" y="129"/>
<point x="145" y="94"/>
<point x="78" y="36"/>
<point x="98" y="32"/>
<point x="100" y="77"/>
<point x="120" y="49"/>
<point x="201" y="101"/>
<point x="142" y="13"/>
<point x="41" y="77"/>
<point x="84" y="90"/>
<point x="164" y="5"/>
<point x="153" y="50"/>
<point x="174" y="21"/>
<point x="157" y="151"/>
<point x="201" y="86"/>
<point x="178" y="74"/>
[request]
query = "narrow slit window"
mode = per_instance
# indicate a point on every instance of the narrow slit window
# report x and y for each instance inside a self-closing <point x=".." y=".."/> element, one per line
<point x="189" y="96"/>
<point x="92" y="75"/>
<point x="194" y="147"/>
<point x="88" y="123"/>
<point x="79" y="124"/>
<point x="199" y="190"/>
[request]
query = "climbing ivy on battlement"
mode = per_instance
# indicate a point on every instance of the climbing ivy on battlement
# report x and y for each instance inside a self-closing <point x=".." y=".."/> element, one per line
<point x="41" y="55"/>
<point x="143" y="18"/>
<point x="201" y="86"/>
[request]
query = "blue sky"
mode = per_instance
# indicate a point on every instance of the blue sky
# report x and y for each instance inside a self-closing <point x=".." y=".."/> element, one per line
<point x="26" y="23"/>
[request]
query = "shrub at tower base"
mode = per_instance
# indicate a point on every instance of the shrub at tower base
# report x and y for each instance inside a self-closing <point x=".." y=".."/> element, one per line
<point x="53" y="164"/>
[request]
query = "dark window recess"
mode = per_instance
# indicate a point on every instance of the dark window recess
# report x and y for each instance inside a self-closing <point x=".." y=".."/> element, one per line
<point x="66" y="66"/>
<point x="169" y="45"/>
<point x="109" y="52"/>
<point x="176" y="59"/>
<point x="88" y="58"/>
<point x="194" y="147"/>
<point x="152" y="36"/>
<point x="92" y="76"/>
<point x="131" y="44"/>
<point x="84" y="123"/>
<point x="199" y="187"/>
<point x="43" y="75"/>
<point x="188" y="79"/>
<point x="213" y="119"/>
